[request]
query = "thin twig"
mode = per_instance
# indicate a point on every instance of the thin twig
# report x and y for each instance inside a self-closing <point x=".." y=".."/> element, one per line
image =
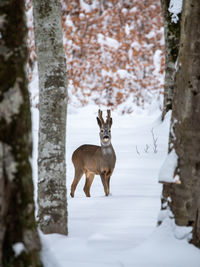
<point x="137" y="150"/>
<point x="146" y="148"/>
<point x="155" y="139"/>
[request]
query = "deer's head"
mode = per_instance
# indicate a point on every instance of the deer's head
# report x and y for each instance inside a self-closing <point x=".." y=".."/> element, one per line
<point x="105" y="132"/>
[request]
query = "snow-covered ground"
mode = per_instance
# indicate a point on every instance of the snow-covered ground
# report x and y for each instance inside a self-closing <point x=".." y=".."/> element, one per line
<point x="119" y="230"/>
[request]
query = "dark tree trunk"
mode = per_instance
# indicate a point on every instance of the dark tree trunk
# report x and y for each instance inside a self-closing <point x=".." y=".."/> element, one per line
<point x="17" y="222"/>
<point x="185" y="125"/>
<point x="52" y="199"/>
<point x="172" y="38"/>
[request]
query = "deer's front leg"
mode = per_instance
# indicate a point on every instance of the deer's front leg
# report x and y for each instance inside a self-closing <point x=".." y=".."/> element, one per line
<point x="105" y="182"/>
<point x="88" y="183"/>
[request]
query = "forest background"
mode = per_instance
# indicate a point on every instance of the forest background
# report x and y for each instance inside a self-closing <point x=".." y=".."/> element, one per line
<point x="114" y="52"/>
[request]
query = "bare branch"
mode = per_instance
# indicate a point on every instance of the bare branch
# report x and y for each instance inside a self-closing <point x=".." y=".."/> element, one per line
<point x="137" y="150"/>
<point x="155" y="139"/>
<point x="146" y="148"/>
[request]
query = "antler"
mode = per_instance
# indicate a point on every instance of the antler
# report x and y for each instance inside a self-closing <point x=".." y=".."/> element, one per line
<point x="100" y="116"/>
<point x="109" y="119"/>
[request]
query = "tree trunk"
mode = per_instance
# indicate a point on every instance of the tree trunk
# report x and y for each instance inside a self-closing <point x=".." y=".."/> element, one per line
<point x="52" y="200"/>
<point x="19" y="241"/>
<point x="185" y="125"/>
<point x="172" y="37"/>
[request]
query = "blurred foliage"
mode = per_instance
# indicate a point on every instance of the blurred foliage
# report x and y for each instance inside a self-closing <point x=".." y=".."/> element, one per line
<point x="114" y="50"/>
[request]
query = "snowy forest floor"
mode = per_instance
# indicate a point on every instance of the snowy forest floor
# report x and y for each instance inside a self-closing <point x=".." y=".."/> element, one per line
<point x="119" y="230"/>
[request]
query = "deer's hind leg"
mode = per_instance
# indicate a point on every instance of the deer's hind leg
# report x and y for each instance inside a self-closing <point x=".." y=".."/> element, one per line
<point x="77" y="177"/>
<point x="88" y="183"/>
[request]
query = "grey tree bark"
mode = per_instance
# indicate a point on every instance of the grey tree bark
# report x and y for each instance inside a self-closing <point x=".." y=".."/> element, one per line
<point x="172" y="38"/>
<point x="185" y="125"/>
<point x="19" y="241"/>
<point x="52" y="199"/>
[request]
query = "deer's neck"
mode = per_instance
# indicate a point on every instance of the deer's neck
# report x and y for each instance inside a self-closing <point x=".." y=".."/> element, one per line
<point x="107" y="150"/>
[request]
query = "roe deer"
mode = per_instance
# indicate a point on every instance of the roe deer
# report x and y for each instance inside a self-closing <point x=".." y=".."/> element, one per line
<point x="92" y="160"/>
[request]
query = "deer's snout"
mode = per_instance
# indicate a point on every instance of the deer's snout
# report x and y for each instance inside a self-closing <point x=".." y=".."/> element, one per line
<point x="106" y="140"/>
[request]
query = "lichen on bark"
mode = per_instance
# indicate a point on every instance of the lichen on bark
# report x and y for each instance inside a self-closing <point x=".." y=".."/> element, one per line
<point x="172" y="38"/>
<point x="52" y="213"/>
<point x="185" y="197"/>
<point x="17" y="221"/>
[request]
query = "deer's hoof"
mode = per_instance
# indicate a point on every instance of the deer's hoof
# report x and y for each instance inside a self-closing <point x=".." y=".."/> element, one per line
<point x="86" y="192"/>
<point x="71" y="194"/>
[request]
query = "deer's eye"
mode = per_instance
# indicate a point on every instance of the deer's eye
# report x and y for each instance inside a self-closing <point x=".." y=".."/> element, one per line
<point x="101" y="130"/>
<point x="109" y="131"/>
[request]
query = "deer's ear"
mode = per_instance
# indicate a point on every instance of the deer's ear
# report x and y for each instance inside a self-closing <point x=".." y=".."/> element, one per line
<point x="99" y="122"/>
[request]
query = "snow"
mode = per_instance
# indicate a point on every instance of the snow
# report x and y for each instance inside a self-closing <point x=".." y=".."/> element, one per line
<point x="162" y="249"/>
<point x="157" y="64"/>
<point x="123" y="73"/>
<point x="168" y="169"/>
<point x="175" y="8"/>
<point x="127" y="29"/>
<point x="151" y="34"/>
<point x="136" y="45"/>
<point x="68" y="22"/>
<point x="111" y="42"/>
<point x="88" y="8"/>
<point x="119" y="230"/>
<point x="18" y="248"/>
<point x="156" y="61"/>
<point x="34" y="87"/>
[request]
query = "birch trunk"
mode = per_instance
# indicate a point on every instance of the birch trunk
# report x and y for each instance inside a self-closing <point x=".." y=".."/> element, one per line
<point x="172" y="38"/>
<point x="52" y="200"/>
<point x="19" y="241"/>
<point x="185" y="125"/>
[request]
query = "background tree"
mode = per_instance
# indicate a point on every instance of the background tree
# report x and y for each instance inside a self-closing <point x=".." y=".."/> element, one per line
<point x="185" y="125"/>
<point x="19" y="241"/>
<point x="172" y="38"/>
<point x="52" y="127"/>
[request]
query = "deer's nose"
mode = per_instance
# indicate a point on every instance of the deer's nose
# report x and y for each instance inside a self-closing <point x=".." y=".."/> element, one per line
<point x="106" y="137"/>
